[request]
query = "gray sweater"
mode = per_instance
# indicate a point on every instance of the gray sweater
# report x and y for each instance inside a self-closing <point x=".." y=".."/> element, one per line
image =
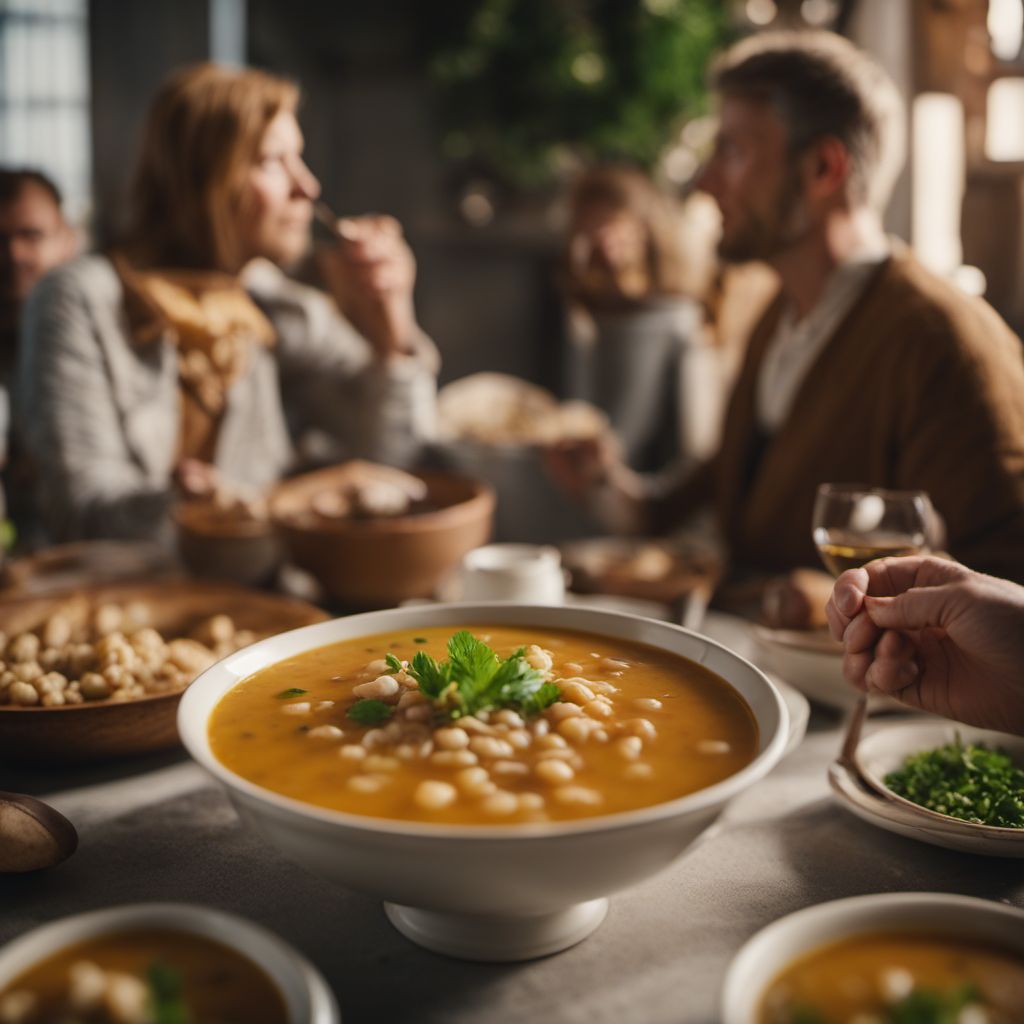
<point x="99" y="413"/>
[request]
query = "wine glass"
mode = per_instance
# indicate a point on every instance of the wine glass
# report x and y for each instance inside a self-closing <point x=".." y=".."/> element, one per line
<point x="852" y="524"/>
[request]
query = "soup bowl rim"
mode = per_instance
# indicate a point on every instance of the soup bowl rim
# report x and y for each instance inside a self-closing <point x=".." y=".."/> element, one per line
<point x="275" y="957"/>
<point x="822" y="924"/>
<point x="195" y="735"/>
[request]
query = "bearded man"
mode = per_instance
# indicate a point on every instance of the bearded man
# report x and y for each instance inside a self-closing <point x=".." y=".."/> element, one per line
<point x="866" y="368"/>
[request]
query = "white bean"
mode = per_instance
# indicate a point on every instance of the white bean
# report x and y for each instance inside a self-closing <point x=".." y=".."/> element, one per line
<point x="419" y="713"/>
<point x="713" y="747"/>
<point x="381" y="688"/>
<point x="352" y="751"/>
<point x="577" y="730"/>
<point x="540" y="727"/>
<point x="326" y="732"/>
<point x="302" y="707"/>
<point x="561" y="710"/>
<point x="614" y="663"/>
<point x="457" y="758"/>
<point x="475" y="781"/>
<point x="520" y="739"/>
<point x="490" y="746"/>
<point x="506" y="716"/>
<point x="380" y="763"/>
<point x="576" y="692"/>
<point x="554" y="772"/>
<point x="434" y="796"/>
<point x="367" y="783"/>
<point x="24" y="694"/>
<point x="552" y="741"/>
<point x="640" y="727"/>
<point x="577" y="796"/>
<point x="378" y="667"/>
<point x="538" y="658"/>
<point x="599" y="709"/>
<point x="531" y="801"/>
<point x="639" y="770"/>
<point x="647" y="704"/>
<point x="509" y="768"/>
<point x="603" y="688"/>
<point x="451" y="738"/>
<point x="629" y="747"/>
<point x="574" y="667"/>
<point x="373" y="738"/>
<point x="500" y="804"/>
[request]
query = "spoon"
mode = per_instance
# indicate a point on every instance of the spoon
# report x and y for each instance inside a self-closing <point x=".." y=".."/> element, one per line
<point x="32" y="834"/>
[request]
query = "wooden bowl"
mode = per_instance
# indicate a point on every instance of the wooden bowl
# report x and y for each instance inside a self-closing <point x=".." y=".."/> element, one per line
<point x="376" y="563"/>
<point x="245" y="551"/>
<point x="106" y="729"/>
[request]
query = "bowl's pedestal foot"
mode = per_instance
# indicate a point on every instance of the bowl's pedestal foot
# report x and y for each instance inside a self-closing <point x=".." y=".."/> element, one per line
<point x="497" y="937"/>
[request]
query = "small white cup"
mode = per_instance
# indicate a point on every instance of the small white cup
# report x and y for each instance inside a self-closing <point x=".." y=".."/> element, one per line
<point x="520" y="573"/>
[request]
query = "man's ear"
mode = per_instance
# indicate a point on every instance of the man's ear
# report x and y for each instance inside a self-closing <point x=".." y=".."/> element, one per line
<point x="826" y="168"/>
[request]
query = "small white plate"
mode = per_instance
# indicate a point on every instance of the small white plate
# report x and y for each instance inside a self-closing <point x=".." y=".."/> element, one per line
<point x="860" y="789"/>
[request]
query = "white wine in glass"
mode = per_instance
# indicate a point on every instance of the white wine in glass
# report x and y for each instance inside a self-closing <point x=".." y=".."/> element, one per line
<point x="853" y="525"/>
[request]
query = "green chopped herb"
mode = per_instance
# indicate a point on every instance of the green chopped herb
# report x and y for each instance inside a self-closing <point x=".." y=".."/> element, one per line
<point x="166" y="993"/>
<point x="293" y="691"/>
<point x="370" y="712"/>
<point x="419" y="639"/>
<point x="970" y="781"/>
<point x="474" y="678"/>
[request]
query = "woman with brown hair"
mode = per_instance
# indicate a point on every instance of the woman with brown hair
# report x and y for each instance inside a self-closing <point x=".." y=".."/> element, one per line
<point x="186" y="357"/>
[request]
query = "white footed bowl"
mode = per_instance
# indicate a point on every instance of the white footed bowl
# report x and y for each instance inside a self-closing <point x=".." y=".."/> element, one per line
<point x="774" y="948"/>
<point x="490" y="892"/>
<point x="306" y="996"/>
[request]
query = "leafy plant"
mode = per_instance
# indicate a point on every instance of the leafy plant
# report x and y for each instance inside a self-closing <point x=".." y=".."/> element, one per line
<point x="370" y="712"/>
<point x="520" y="82"/>
<point x="166" y="993"/>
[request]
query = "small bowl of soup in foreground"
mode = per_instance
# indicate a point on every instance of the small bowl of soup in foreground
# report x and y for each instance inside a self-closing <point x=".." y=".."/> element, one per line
<point x="491" y="771"/>
<point x="148" y="962"/>
<point x="887" y="957"/>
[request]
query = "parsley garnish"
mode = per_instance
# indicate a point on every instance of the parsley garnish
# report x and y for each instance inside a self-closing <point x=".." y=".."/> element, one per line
<point x="166" y="994"/>
<point x="370" y="712"/>
<point x="474" y="679"/>
<point x="292" y="692"/>
<point x="967" y="781"/>
<point x="419" y="639"/>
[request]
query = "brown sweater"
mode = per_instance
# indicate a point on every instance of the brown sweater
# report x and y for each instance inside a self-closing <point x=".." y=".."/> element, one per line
<point x="921" y="387"/>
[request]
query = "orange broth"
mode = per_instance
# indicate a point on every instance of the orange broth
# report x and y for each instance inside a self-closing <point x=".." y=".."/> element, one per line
<point x="219" y="985"/>
<point x="847" y="978"/>
<point x="702" y="732"/>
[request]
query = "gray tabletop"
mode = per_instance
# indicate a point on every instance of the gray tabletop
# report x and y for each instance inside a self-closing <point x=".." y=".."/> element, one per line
<point x="161" y="830"/>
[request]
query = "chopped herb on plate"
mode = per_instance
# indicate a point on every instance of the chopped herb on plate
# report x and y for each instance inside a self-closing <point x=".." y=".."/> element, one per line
<point x="292" y="691"/>
<point x="969" y="781"/>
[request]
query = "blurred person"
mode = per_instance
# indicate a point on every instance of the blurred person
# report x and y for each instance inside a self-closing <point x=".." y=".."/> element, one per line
<point x="34" y="238"/>
<point x="186" y="360"/>
<point x="867" y="367"/>
<point x="936" y="636"/>
<point x="638" y="344"/>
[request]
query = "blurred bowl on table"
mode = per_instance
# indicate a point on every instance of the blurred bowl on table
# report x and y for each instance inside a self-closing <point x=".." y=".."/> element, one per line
<point x="233" y="542"/>
<point x="652" y="570"/>
<point x="878" y="928"/>
<point x="375" y="561"/>
<point x="135" y="679"/>
<point x="495" y="427"/>
<point x="226" y="967"/>
<point x="497" y="891"/>
<point x="812" y="661"/>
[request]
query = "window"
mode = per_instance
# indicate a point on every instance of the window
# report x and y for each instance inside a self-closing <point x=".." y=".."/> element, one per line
<point x="44" y="94"/>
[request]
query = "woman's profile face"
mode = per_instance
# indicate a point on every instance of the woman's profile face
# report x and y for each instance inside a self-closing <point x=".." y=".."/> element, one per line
<point x="277" y="200"/>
